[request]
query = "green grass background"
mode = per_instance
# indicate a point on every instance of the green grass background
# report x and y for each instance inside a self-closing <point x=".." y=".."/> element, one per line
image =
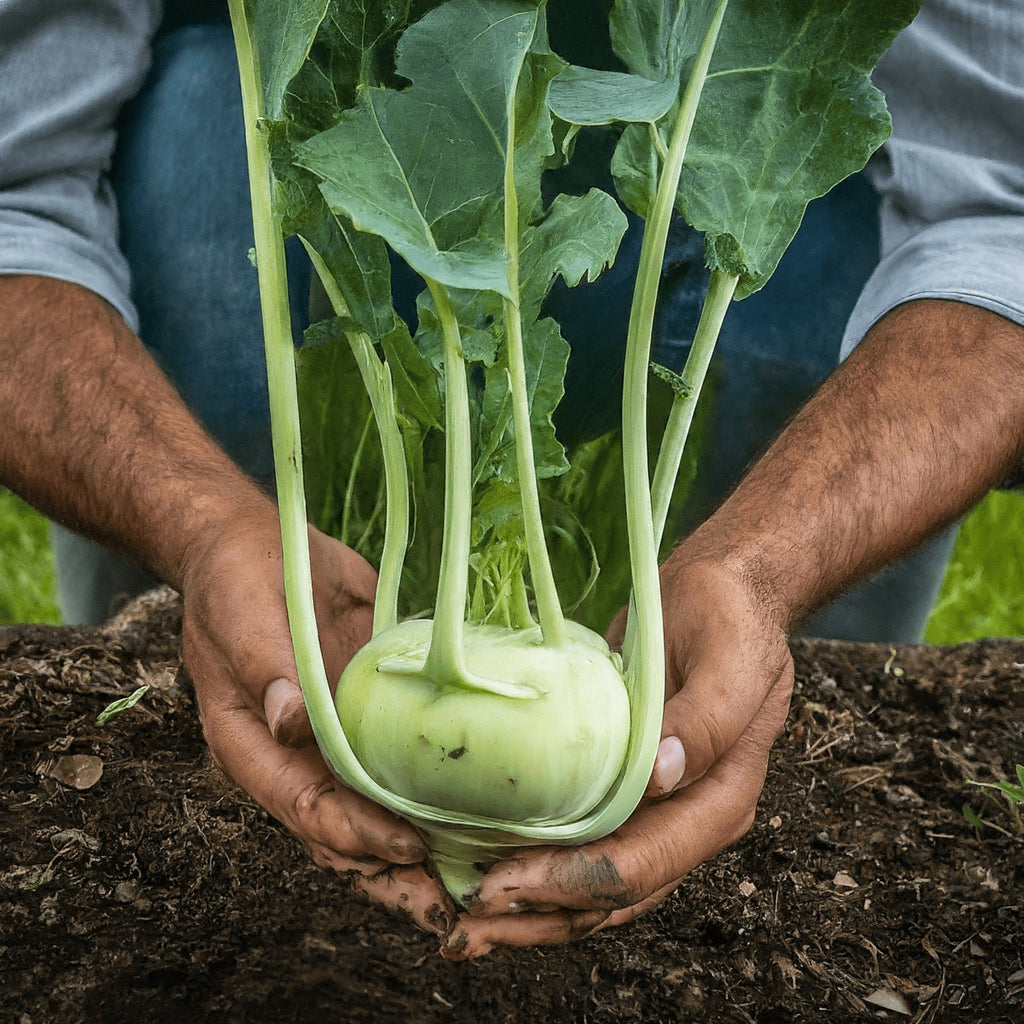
<point x="982" y="595"/>
<point x="27" y="589"/>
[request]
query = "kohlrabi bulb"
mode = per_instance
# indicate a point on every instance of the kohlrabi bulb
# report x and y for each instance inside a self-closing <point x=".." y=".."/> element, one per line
<point x="550" y="756"/>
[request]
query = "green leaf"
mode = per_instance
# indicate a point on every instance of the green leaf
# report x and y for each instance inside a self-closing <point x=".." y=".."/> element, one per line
<point x="583" y="96"/>
<point x="788" y="110"/>
<point x="352" y="50"/>
<point x="577" y="239"/>
<point x="658" y="39"/>
<point x="415" y="381"/>
<point x="424" y="167"/>
<point x="972" y="817"/>
<point x="547" y="354"/>
<point x="358" y="262"/>
<point x="674" y="380"/>
<point x="116" y="707"/>
<point x="283" y="34"/>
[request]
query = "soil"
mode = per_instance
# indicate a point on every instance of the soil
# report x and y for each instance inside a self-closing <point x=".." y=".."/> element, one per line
<point x="138" y="885"/>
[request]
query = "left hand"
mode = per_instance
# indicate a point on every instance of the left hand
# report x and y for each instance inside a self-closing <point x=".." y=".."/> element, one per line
<point x="238" y="651"/>
<point x="730" y="676"/>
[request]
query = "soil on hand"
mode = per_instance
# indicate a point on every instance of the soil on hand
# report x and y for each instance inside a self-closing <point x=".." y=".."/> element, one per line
<point x="138" y="885"/>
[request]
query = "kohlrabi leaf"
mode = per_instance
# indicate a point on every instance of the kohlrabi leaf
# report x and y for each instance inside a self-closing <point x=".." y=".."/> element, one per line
<point x="661" y="38"/>
<point x="547" y="354"/>
<point x="658" y="39"/>
<point x="312" y="56"/>
<point x="674" y="380"/>
<point x="353" y="49"/>
<point x="582" y="96"/>
<point x="283" y="34"/>
<point x="787" y="111"/>
<point x="576" y="240"/>
<point x="479" y="316"/>
<point x="417" y="389"/>
<point x="357" y="261"/>
<point x="414" y="379"/>
<point x="425" y="167"/>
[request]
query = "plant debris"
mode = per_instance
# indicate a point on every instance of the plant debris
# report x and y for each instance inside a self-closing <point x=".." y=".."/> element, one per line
<point x="161" y="894"/>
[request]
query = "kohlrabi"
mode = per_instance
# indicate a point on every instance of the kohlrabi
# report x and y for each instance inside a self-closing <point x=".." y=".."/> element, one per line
<point x="424" y="130"/>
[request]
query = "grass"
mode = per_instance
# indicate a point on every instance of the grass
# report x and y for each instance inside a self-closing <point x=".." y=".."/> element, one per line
<point x="983" y="591"/>
<point x="982" y="595"/>
<point x="28" y="592"/>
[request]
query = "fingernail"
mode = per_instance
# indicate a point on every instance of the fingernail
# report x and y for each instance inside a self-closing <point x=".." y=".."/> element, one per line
<point x="670" y="764"/>
<point x="454" y="946"/>
<point x="408" y="851"/>
<point x="282" y="704"/>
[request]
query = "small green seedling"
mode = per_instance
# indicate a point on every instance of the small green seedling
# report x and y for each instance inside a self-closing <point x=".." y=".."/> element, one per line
<point x="1008" y="795"/>
<point x="115" y="708"/>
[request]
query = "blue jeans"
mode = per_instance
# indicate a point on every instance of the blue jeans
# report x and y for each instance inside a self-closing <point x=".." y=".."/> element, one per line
<point x="180" y="178"/>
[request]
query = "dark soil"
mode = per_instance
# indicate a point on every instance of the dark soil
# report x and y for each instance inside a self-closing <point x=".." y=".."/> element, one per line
<point x="159" y="893"/>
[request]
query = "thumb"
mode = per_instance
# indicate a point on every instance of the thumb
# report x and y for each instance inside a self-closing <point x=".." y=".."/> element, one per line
<point x="285" y="712"/>
<point x="669" y="766"/>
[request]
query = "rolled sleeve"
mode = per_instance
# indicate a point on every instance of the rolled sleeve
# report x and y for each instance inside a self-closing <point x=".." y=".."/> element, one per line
<point x="951" y="178"/>
<point x="66" y="70"/>
<point x="977" y="260"/>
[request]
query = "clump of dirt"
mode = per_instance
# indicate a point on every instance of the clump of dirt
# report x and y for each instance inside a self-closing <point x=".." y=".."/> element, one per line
<point x="138" y="885"/>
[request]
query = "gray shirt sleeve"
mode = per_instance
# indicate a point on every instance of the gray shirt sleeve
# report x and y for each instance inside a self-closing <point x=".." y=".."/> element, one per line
<point x="951" y="178"/>
<point x="66" y="70"/>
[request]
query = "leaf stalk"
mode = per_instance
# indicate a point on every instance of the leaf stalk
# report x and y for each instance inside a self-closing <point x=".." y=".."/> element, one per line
<point x="549" y="609"/>
<point x="376" y="377"/>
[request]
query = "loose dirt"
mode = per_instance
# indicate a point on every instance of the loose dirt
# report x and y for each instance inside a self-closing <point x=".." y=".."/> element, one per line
<point x="137" y="885"/>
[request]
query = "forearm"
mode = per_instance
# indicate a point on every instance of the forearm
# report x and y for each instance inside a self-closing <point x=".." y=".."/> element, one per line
<point x="96" y="437"/>
<point x="924" y="417"/>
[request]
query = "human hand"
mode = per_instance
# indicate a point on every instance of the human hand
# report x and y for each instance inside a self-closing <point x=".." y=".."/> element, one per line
<point x="238" y="651"/>
<point x="729" y="681"/>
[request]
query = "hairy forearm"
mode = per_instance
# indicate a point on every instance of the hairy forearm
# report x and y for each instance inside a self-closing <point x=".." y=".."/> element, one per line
<point x="924" y="417"/>
<point x="96" y="437"/>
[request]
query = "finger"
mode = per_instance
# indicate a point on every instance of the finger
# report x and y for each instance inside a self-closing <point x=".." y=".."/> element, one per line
<point x="476" y="937"/>
<point x="411" y="890"/>
<point x="659" y="844"/>
<point x="298" y="789"/>
<point x="628" y="914"/>
<point x="669" y="768"/>
<point x="285" y="711"/>
<point x="726" y="688"/>
<point x="547" y="878"/>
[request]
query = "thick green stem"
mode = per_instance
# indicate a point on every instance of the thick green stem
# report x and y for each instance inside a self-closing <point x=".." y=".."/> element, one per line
<point x="549" y="609"/>
<point x="716" y="304"/>
<point x="445" y="662"/>
<point x="376" y="378"/>
<point x="284" y="414"/>
<point x="521" y="615"/>
<point x="644" y="648"/>
<point x="645" y="621"/>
